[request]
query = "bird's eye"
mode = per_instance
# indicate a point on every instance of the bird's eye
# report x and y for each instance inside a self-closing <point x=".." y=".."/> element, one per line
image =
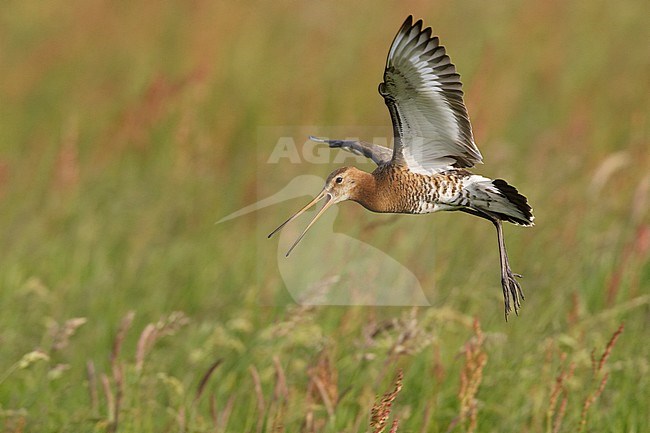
<point x="339" y="179"/>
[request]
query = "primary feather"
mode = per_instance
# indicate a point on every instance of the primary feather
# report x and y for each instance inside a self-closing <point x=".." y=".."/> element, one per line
<point x="424" y="95"/>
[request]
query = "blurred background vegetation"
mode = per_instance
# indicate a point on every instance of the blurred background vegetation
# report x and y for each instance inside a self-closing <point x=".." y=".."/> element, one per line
<point x="128" y="128"/>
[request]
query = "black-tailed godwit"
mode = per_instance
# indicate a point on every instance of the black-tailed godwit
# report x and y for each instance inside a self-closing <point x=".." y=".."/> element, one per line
<point x="426" y="171"/>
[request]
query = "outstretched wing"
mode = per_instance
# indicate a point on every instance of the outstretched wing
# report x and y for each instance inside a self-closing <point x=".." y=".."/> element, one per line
<point x="424" y="95"/>
<point x="379" y="154"/>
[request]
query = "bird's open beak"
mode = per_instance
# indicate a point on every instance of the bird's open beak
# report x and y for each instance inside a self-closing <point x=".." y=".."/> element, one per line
<point x="328" y="202"/>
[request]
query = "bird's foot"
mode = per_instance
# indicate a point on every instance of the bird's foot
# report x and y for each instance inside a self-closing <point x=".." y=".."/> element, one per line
<point x="511" y="288"/>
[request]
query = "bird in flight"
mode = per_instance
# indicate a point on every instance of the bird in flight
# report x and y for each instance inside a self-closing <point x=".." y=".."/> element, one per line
<point x="426" y="171"/>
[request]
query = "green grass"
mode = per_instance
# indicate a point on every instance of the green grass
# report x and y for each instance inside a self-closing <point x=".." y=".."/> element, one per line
<point x="127" y="130"/>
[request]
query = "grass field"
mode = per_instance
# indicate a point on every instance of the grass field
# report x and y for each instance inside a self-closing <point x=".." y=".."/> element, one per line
<point x="127" y="129"/>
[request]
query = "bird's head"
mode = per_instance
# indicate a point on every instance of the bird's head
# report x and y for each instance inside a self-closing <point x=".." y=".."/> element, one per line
<point x="342" y="184"/>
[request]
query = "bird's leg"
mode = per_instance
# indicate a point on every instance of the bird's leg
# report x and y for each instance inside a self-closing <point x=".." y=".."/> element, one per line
<point x="510" y="285"/>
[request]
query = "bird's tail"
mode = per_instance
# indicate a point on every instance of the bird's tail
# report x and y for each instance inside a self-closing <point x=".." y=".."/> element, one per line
<point x="502" y="200"/>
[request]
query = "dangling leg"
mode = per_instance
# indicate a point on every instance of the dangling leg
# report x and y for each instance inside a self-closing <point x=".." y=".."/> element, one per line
<point x="510" y="285"/>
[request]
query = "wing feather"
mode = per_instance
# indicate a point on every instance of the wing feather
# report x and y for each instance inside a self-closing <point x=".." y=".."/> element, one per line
<point x="379" y="154"/>
<point x="424" y="96"/>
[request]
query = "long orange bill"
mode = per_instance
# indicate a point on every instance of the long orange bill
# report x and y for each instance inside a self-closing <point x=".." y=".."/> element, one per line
<point x="316" y="199"/>
<point x="319" y="197"/>
<point x="328" y="203"/>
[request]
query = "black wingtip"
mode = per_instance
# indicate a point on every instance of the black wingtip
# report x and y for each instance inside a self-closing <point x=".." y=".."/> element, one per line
<point x="408" y="24"/>
<point x="330" y="143"/>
